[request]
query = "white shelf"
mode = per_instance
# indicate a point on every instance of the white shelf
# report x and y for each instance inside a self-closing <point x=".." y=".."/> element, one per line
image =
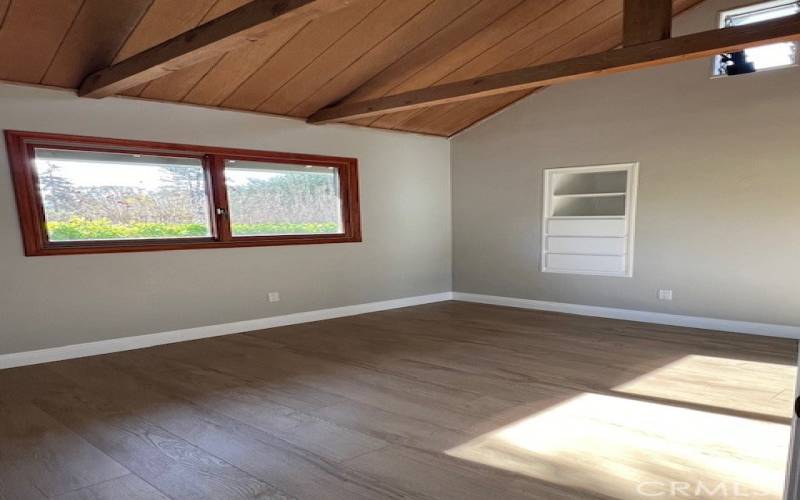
<point x="588" y="195"/>
<point x="588" y="254"/>
<point x="587" y="217"/>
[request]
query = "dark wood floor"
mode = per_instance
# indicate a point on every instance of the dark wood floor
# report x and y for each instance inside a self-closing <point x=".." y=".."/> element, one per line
<point x="450" y="400"/>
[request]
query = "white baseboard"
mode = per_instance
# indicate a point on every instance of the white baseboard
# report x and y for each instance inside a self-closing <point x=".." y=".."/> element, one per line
<point x="201" y="332"/>
<point x="142" y="341"/>
<point x="768" y="329"/>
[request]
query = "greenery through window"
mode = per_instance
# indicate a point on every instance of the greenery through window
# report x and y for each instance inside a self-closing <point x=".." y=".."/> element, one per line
<point x="271" y="198"/>
<point x="107" y="196"/>
<point x="86" y="195"/>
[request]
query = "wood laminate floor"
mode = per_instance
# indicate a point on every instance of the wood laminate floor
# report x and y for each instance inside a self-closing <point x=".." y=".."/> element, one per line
<point x="443" y="401"/>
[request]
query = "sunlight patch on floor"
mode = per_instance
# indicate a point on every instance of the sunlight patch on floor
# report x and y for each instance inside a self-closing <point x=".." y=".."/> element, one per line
<point x="747" y="386"/>
<point x="612" y="445"/>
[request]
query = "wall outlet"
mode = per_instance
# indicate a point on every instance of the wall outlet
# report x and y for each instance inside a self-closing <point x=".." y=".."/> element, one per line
<point x="665" y="295"/>
<point x="274" y="296"/>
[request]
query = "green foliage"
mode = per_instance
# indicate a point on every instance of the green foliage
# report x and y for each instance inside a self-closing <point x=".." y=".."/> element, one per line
<point x="104" y="229"/>
<point x="284" y="228"/>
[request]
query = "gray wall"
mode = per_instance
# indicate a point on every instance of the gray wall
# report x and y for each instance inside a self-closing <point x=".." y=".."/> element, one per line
<point x="61" y="300"/>
<point x="718" y="217"/>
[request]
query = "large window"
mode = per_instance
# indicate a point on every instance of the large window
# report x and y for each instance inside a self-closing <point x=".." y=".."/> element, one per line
<point x="85" y="195"/>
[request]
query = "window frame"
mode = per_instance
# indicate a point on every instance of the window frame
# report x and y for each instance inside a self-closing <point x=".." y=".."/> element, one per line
<point x="747" y="8"/>
<point x="21" y="147"/>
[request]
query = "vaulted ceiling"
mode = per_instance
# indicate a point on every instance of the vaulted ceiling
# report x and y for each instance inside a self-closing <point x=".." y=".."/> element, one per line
<point x="369" y="49"/>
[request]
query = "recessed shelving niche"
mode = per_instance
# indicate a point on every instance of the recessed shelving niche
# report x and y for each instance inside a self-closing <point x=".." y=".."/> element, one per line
<point x="587" y="225"/>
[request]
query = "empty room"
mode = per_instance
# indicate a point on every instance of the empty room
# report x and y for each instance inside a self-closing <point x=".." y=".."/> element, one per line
<point x="399" y="249"/>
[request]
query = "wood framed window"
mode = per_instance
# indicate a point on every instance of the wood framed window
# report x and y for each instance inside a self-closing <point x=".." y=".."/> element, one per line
<point x="79" y="195"/>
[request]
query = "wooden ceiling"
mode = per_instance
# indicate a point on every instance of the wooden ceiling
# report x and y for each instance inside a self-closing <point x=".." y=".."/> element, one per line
<point x="370" y="49"/>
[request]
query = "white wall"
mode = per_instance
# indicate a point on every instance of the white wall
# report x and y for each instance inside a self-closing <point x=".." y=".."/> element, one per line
<point x="718" y="217"/>
<point x="61" y="300"/>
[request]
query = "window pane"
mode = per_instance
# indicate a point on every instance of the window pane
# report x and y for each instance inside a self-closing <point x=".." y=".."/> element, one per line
<point x="762" y="12"/>
<point x="116" y="196"/>
<point x="771" y="56"/>
<point x="278" y="199"/>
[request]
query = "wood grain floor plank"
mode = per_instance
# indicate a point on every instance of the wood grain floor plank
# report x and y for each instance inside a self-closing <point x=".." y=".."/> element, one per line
<point x="45" y="456"/>
<point x="444" y="477"/>
<point x="390" y="426"/>
<point x="396" y="394"/>
<point x="249" y="407"/>
<point x="274" y="385"/>
<point x="447" y="400"/>
<point x="244" y="356"/>
<point x="163" y="459"/>
<point x="296" y="471"/>
<point x="129" y="487"/>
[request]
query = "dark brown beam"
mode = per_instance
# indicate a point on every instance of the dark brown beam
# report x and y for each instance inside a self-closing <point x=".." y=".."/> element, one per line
<point x="646" y="21"/>
<point x="238" y="28"/>
<point x="682" y="48"/>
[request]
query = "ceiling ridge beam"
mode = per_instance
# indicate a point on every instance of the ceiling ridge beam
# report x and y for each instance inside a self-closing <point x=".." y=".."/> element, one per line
<point x="667" y="51"/>
<point x="239" y="27"/>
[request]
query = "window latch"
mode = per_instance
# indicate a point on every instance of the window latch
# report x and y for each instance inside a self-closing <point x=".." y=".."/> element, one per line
<point x="222" y="212"/>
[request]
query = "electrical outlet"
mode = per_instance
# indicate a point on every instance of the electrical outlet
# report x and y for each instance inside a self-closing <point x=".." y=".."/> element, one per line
<point x="665" y="295"/>
<point x="274" y="296"/>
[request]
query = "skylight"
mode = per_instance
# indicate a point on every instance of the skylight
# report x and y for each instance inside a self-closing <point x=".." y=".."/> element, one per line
<point x="777" y="55"/>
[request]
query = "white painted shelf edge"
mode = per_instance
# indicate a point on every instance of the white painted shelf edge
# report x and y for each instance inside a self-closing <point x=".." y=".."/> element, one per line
<point x="589" y="195"/>
<point x="593" y="217"/>
<point x="589" y="254"/>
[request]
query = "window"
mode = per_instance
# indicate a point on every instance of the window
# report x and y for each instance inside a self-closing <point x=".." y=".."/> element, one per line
<point x="773" y="56"/>
<point x="92" y="195"/>
<point x="273" y="198"/>
<point x="588" y="220"/>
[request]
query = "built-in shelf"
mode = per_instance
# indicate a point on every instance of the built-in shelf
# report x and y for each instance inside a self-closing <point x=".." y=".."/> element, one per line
<point x="587" y="225"/>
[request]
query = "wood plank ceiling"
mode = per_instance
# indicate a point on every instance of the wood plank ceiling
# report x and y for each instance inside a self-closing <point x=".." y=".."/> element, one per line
<point x="370" y="49"/>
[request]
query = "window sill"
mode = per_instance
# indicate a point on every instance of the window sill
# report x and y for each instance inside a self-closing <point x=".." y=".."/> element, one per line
<point x="83" y="247"/>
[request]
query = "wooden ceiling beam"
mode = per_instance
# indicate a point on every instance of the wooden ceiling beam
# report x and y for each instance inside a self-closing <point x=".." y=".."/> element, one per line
<point x="646" y="21"/>
<point x="671" y="50"/>
<point x="240" y="27"/>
